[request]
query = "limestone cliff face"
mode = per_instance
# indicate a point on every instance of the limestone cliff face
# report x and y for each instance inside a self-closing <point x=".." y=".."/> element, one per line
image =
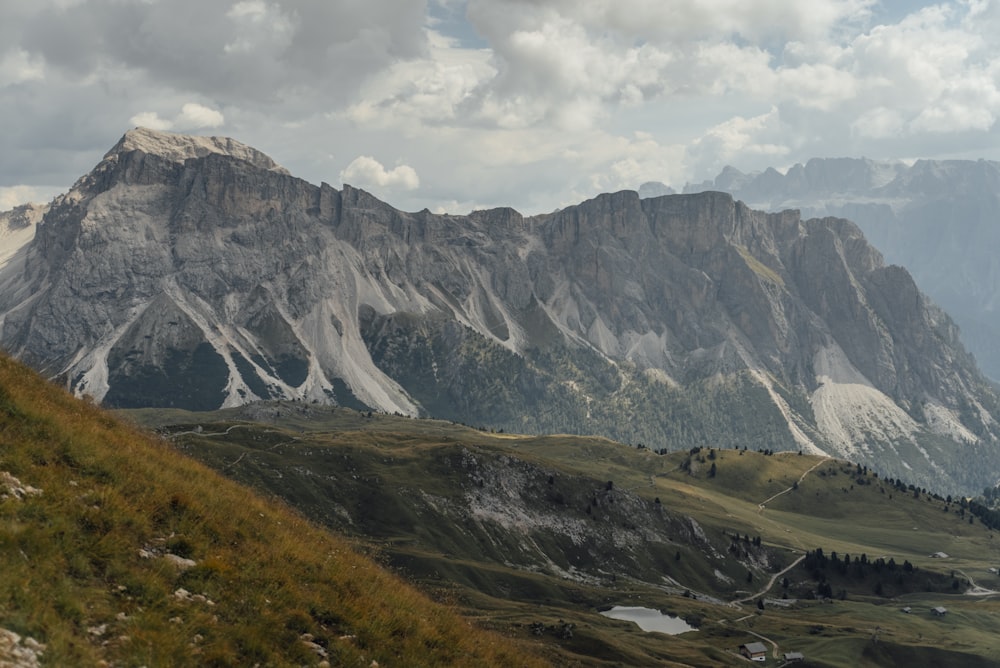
<point x="935" y="217"/>
<point x="195" y="272"/>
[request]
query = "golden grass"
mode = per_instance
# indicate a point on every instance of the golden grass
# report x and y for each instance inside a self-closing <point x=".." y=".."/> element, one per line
<point x="759" y="267"/>
<point x="73" y="577"/>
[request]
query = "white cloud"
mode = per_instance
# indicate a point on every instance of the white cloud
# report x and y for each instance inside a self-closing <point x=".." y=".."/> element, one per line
<point x="818" y="86"/>
<point x="756" y="136"/>
<point x="18" y="66"/>
<point x="151" y="120"/>
<point x="630" y="162"/>
<point x="194" y="116"/>
<point x="573" y="64"/>
<point x="879" y="123"/>
<point x="429" y="90"/>
<point x="259" y="26"/>
<point x="245" y="52"/>
<point x="366" y="171"/>
<point x="949" y="116"/>
<point x="253" y="10"/>
<point x="679" y="21"/>
<point x="933" y="73"/>
<point x="555" y="71"/>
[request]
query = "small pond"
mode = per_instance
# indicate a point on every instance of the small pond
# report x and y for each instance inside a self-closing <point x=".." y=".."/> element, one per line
<point x="649" y="619"/>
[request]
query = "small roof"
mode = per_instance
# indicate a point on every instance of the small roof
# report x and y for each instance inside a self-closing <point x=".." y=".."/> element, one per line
<point x="755" y="647"/>
<point x="789" y="656"/>
<point x="940" y="610"/>
<point x="940" y="555"/>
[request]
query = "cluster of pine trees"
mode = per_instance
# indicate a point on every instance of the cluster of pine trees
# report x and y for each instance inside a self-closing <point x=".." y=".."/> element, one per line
<point x="861" y="575"/>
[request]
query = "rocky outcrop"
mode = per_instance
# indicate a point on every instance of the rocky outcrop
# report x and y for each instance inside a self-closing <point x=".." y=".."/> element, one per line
<point x="194" y="272"/>
<point x="19" y="652"/>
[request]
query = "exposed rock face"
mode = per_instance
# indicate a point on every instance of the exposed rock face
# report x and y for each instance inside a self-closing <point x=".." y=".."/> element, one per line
<point x="17" y="229"/>
<point x="195" y="272"/>
<point x="937" y="218"/>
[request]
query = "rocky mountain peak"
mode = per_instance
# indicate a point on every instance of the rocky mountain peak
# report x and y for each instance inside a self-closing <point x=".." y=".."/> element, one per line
<point x="178" y="148"/>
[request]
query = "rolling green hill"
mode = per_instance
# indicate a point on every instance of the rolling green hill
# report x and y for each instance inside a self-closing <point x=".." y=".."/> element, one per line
<point x="534" y="536"/>
<point x="117" y="550"/>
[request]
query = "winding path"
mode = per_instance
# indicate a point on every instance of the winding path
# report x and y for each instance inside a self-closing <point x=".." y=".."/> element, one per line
<point x="770" y="583"/>
<point x="763" y="591"/>
<point x="974" y="589"/>
<point x="226" y="433"/>
<point x="760" y="509"/>
<point x="205" y="433"/>
<point x="762" y="504"/>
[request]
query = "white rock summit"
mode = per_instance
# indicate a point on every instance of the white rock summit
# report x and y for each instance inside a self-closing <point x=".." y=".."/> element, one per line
<point x="178" y="148"/>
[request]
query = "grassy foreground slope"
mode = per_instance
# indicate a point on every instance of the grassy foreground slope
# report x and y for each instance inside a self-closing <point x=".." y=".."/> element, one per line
<point x="116" y="548"/>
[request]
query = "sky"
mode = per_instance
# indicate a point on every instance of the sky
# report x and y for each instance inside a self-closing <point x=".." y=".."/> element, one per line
<point x="455" y="105"/>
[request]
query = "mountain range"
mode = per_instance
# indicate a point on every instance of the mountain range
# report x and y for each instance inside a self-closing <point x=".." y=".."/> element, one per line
<point x="937" y="218"/>
<point x="195" y="272"/>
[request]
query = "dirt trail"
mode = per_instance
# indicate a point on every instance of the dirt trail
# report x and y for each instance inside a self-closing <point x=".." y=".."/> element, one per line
<point x="974" y="589"/>
<point x="760" y="509"/>
<point x="762" y="504"/>
<point x="208" y="434"/>
<point x="770" y="583"/>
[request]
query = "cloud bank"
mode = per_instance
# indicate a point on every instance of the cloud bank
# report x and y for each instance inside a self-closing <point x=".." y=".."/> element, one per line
<point x="530" y="103"/>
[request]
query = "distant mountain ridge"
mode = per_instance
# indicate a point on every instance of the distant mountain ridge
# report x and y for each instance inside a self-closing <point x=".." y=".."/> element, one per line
<point x="197" y="273"/>
<point x="938" y="218"/>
